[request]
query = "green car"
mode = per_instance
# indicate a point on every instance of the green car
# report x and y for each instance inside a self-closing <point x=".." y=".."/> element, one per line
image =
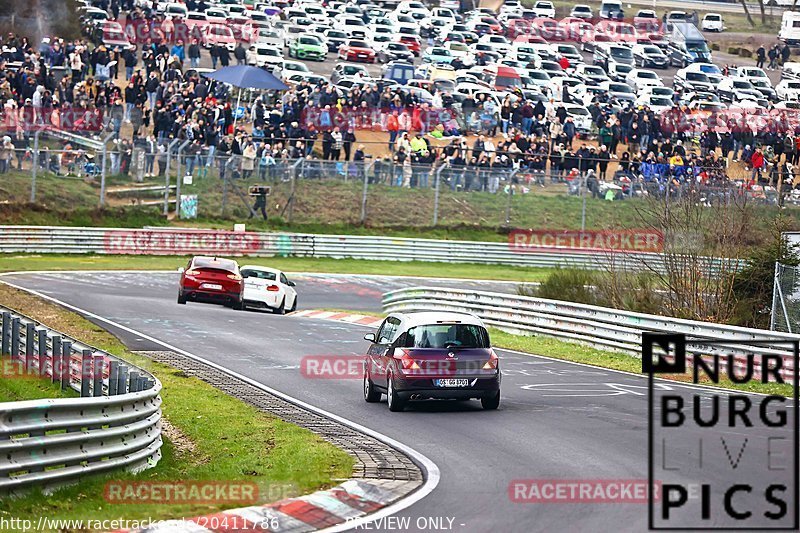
<point x="308" y="47"/>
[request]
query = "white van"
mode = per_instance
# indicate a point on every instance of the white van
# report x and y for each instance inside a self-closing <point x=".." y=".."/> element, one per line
<point x="790" y="27"/>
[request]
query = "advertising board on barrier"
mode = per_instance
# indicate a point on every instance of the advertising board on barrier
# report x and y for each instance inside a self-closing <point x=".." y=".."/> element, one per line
<point x="643" y="240"/>
<point x="185" y="242"/>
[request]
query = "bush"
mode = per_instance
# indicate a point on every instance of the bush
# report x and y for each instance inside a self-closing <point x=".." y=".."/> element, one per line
<point x="733" y="50"/>
<point x="744" y="52"/>
<point x="569" y="284"/>
<point x="715" y="46"/>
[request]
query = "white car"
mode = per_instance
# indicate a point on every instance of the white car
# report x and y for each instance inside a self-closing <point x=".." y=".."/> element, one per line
<point x="639" y="77"/>
<point x="658" y="104"/>
<point x="262" y="54"/>
<point x="712" y="22"/>
<point x="749" y="73"/>
<point x="268" y="288"/>
<point x="544" y="8"/>
<point x="580" y="116"/>
<point x="788" y="90"/>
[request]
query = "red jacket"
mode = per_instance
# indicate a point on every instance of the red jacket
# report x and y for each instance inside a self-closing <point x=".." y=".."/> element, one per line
<point x="392" y="124"/>
<point x="757" y="160"/>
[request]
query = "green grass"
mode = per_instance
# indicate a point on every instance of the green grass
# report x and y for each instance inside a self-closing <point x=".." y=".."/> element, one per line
<point x="16" y="386"/>
<point x="579" y="353"/>
<point x="11" y="262"/>
<point x="218" y="438"/>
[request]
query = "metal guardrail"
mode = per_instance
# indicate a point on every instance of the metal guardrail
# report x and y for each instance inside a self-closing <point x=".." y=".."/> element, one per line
<point x="168" y="241"/>
<point x="116" y="422"/>
<point x="601" y="327"/>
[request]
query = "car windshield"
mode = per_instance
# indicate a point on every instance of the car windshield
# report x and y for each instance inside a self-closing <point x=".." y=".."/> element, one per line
<point x="508" y="81"/>
<point x="351" y="70"/>
<point x="660" y="101"/>
<point x="577" y="111"/>
<point x="260" y="274"/>
<point x="439" y="336"/>
<point x="743" y="84"/>
<point x="652" y="50"/>
<point x="358" y="44"/>
<point x="221" y="30"/>
<point x="309" y="40"/>
<point x="697" y="47"/>
<point x="697" y="76"/>
<point x="621" y="53"/>
<point x="649" y="75"/>
<point x="710" y="69"/>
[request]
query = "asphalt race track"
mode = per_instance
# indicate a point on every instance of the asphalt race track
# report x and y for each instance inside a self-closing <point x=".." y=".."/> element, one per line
<point x="556" y="420"/>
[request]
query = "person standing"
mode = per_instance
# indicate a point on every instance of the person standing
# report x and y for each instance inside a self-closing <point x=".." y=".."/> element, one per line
<point x="194" y="54"/>
<point x="773" y="58"/>
<point x="761" y="56"/>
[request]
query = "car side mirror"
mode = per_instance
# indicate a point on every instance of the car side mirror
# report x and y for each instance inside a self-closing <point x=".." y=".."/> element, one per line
<point x="291" y="283"/>
<point x="181" y="270"/>
<point x="369" y="337"/>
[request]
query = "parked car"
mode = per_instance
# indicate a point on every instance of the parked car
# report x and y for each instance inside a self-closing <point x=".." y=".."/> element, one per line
<point x="357" y="50"/>
<point x="308" y="47"/>
<point x="712" y="22"/>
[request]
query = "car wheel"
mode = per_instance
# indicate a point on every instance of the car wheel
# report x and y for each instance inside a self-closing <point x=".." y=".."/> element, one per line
<point x="370" y="394"/>
<point x="394" y="401"/>
<point x="294" y="305"/>
<point x="281" y="310"/>
<point x="181" y="298"/>
<point x="238" y="305"/>
<point x="491" y="402"/>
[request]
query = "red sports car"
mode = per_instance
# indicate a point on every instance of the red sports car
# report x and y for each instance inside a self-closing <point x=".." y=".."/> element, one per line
<point x="357" y="51"/>
<point x="212" y="279"/>
<point x="412" y="43"/>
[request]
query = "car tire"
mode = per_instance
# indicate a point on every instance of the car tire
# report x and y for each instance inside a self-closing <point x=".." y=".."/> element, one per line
<point x="370" y="394"/>
<point x="491" y="403"/>
<point x="396" y="404"/>
<point x="281" y="309"/>
<point x="238" y="305"/>
<point x="181" y="298"/>
<point x="294" y="305"/>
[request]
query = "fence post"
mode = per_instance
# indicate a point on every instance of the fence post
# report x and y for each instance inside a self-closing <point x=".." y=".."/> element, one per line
<point x="41" y="336"/>
<point x="66" y="364"/>
<point x="167" y="179"/>
<point x="6" y="332"/>
<point x="436" y="194"/>
<point x="179" y="179"/>
<point x="364" y="193"/>
<point x="122" y="379"/>
<point x="583" y="198"/>
<point x="133" y="381"/>
<point x="510" y="194"/>
<point x="103" y="170"/>
<point x="35" y="165"/>
<point x="292" y="190"/>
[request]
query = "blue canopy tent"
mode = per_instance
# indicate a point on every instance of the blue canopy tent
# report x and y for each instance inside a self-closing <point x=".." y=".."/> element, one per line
<point x="246" y="77"/>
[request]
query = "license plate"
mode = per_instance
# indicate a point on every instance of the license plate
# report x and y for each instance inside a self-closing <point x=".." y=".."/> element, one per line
<point x="251" y="285"/>
<point x="451" y="382"/>
<point x="212" y="286"/>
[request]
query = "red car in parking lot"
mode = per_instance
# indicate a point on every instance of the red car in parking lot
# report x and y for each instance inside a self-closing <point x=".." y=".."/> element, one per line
<point x="357" y="51"/>
<point x="212" y="279"/>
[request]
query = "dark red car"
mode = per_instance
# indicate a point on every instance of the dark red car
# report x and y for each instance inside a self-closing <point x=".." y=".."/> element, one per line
<point x="211" y="279"/>
<point x="356" y="50"/>
<point x="412" y="43"/>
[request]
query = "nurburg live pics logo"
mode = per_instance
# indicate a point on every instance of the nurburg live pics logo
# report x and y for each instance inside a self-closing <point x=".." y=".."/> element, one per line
<point x="724" y="460"/>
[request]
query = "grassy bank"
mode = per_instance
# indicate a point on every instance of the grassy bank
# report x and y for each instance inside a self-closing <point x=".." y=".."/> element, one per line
<point x="27" y="262"/>
<point x="209" y="437"/>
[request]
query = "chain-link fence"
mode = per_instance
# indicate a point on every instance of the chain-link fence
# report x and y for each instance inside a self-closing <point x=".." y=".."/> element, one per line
<point x="786" y="299"/>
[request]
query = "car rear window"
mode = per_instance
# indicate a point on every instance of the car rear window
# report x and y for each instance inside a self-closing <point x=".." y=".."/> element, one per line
<point x="260" y="274"/>
<point x="216" y="263"/>
<point x="447" y="336"/>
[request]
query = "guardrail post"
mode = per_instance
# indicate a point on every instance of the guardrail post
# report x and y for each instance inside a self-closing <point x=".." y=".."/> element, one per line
<point x="103" y="170"/>
<point x="55" y="359"/>
<point x="133" y="381"/>
<point x="179" y="179"/>
<point x="41" y="336"/>
<point x="166" y="173"/>
<point x="98" y="367"/>
<point x="122" y="379"/>
<point x="15" y="337"/>
<point x="113" y="376"/>
<point x="5" y="345"/>
<point x="35" y="165"/>
<point x="86" y="373"/>
<point x="30" y="346"/>
<point x="436" y="194"/>
<point x="65" y="364"/>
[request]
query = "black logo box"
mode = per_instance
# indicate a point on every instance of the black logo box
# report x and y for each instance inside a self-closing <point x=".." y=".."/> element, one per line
<point x="677" y="364"/>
